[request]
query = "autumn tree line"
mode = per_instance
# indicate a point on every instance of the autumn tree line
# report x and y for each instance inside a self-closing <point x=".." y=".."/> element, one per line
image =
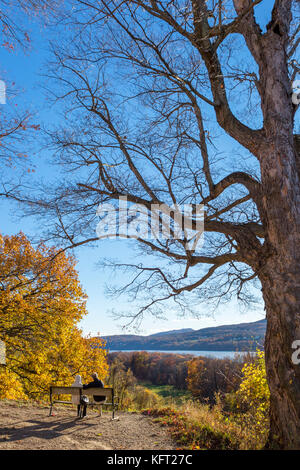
<point x="204" y="377"/>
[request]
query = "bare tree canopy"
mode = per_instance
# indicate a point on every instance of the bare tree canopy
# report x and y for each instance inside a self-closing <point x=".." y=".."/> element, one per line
<point x="190" y="102"/>
<point x="12" y="24"/>
<point x="16" y="125"/>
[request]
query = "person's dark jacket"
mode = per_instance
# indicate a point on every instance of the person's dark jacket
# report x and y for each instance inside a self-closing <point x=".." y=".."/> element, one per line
<point x="98" y="384"/>
<point x="95" y="383"/>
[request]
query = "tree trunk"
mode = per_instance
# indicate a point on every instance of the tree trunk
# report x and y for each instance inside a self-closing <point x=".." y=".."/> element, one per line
<point x="279" y="273"/>
<point x="281" y="291"/>
<point x="279" y="270"/>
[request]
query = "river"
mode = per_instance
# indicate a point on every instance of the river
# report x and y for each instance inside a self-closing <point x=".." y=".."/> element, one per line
<point x="214" y="354"/>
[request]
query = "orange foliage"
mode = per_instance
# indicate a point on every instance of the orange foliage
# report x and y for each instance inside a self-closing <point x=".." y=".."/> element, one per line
<point x="41" y="303"/>
<point x="196" y="369"/>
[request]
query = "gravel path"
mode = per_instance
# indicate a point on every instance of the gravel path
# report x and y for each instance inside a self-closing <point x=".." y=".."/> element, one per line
<point x="30" y="427"/>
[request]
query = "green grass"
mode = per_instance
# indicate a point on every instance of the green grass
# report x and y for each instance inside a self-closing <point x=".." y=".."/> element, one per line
<point x="168" y="392"/>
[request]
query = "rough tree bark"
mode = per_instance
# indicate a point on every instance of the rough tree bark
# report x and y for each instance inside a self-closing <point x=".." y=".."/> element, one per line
<point x="280" y="272"/>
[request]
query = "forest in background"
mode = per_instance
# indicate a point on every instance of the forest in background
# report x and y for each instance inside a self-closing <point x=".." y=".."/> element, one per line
<point x="203" y="377"/>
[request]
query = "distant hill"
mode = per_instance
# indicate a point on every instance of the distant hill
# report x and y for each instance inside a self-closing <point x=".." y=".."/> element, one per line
<point x="171" y="332"/>
<point x="241" y="337"/>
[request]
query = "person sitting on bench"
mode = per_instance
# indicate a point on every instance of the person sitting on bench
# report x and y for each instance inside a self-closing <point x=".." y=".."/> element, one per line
<point x="77" y="383"/>
<point x="95" y="383"/>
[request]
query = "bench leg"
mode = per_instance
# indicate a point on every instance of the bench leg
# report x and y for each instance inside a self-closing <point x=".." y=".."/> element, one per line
<point x="113" y="415"/>
<point x="51" y="401"/>
<point x="82" y="412"/>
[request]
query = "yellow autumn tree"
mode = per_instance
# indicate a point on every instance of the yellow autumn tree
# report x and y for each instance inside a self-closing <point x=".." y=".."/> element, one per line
<point x="253" y="398"/>
<point x="41" y="304"/>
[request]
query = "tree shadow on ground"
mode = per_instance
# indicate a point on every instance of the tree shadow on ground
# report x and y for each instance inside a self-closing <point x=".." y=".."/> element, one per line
<point x="43" y="430"/>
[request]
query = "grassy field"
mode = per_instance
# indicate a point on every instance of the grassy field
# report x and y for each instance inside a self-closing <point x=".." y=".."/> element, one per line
<point x="168" y="392"/>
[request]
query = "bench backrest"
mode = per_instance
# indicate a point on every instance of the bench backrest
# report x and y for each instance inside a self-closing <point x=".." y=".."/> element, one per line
<point x="65" y="390"/>
<point x="2" y="353"/>
<point x="77" y="392"/>
<point x="97" y="391"/>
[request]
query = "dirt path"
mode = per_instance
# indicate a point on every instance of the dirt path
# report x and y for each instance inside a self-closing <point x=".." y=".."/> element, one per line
<point x="30" y="427"/>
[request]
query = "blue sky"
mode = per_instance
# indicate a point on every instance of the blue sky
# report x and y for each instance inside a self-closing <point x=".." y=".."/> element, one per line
<point x="26" y="70"/>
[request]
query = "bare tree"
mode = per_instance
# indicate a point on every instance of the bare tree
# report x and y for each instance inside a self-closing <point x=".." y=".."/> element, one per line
<point x="16" y="124"/>
<point x="189" y="101"/>
<point x="12" y="15"/>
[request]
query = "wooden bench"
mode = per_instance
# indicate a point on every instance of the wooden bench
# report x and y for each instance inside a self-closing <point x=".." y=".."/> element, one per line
<point x="110" y="400"/>
<point x="77" y="392"/>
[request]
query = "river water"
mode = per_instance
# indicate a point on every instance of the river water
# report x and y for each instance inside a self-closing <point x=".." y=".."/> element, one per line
<point x="214" y="354"/>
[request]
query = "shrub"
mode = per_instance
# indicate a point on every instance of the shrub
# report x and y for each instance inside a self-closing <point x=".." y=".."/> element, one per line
<point x="145" y="398"/>
<point x="249" y="405"/>
<point x="190" y="431"/>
